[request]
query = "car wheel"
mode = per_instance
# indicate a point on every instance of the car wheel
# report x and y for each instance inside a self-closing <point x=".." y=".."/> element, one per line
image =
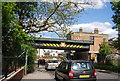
<point x="94" y="80"/>
<point x="64" y="80"/>
<point x="46" y="69"/>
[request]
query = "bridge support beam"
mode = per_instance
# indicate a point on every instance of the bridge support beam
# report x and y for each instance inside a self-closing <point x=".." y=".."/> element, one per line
<point x="81" y="55"/>
<point x="68" y="56"/>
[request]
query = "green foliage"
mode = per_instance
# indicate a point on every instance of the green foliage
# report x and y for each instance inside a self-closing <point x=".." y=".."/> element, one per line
<point x="31" y="58"/>
<point x="35" y="17"/>
<point x="25" y="11"/>
<point x="116" y="20"/>
<point x="9" y="29"/>
<point x="20" y="19"/>
<point x="104" y="49"/>
<point x="103" y="52"/>
<point x="116" y="16"/>
<point x="108" y="67"/>
<point x="14" y="39"/>
<point x="114" y="44"/>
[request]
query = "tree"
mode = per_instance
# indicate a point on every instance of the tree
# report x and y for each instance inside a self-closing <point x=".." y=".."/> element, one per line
<point x="114" y="43"/>
<point x="25" y="11"/>
<point x="14" y="39"/>
<point x="9" y="30"/>
<point x="116" y="20"/>
<point x="48" y="16"/>
<point x="103" y="52"/>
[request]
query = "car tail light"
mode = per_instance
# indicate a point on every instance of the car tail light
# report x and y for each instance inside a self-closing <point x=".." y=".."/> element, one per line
<point x="95" y="74"/>
<point x="71" y="74"/>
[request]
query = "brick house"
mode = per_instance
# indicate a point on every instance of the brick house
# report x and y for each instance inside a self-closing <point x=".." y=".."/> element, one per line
<point x="95" y="37"/>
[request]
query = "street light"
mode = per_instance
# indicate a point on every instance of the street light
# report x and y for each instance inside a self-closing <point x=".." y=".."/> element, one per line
<point x="26" y="57"/>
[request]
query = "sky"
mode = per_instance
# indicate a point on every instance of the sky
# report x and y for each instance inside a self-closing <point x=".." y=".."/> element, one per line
<point x="98" y="16"/>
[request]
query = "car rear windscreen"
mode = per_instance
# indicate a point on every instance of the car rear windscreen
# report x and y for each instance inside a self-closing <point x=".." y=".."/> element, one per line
<point x="81" y="66"/>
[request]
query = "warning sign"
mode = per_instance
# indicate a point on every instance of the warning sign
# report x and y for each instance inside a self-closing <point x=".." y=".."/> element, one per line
<point x="62" y="44"/>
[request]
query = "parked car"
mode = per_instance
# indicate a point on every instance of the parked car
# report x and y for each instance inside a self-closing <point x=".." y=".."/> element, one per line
<point x="41" y="61"/>
<point x="75" y="70"/>
<point x="52" y="64"/>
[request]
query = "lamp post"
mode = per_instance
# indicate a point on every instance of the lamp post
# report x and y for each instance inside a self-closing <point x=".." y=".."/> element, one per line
<point x="26" y="57"/>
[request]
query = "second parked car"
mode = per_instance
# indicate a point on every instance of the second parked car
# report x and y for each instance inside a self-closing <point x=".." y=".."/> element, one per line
<point x="52" y="64"/>
<point x="75" y="71"/>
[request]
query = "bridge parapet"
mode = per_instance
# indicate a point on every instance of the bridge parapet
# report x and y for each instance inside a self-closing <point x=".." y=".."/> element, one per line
<point x="65" y="40"/>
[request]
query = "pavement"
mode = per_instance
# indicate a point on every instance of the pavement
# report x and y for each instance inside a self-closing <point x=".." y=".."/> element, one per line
<point x="39" y="73"/>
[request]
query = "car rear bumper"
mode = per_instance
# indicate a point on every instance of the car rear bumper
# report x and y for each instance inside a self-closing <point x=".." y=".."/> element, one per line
<point x="91" y="79"/>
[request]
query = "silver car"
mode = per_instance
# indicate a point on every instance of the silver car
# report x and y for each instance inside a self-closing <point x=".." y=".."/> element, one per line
<point x="52" y="64"/>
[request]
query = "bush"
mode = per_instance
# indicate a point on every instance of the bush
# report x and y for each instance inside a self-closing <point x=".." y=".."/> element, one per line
<point x="30" y="68"/>
<point x="108" y="67"/>
<point x="113" y="59"/>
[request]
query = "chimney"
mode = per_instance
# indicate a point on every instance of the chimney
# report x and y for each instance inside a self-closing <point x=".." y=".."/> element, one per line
<point x="80" y="30"/>
<point x="96" y="31"/>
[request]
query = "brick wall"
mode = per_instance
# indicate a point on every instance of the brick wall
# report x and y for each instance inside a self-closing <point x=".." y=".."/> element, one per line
<point x="96" y="37"/>
<point x="17" y="76"/>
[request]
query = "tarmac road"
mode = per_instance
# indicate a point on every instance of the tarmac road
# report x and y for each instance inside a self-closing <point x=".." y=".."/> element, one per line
<point x="41" y="74"/>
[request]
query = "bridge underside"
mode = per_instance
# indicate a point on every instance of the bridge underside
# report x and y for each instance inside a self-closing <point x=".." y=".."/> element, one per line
<point x="60" y="44"/>
<point x="81" y="47"/>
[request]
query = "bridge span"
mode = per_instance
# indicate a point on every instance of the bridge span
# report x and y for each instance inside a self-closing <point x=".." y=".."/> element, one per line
<point x="62" y="44"/>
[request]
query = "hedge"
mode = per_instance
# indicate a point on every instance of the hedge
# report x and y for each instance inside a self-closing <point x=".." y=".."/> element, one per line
<point x="108" y="67"/>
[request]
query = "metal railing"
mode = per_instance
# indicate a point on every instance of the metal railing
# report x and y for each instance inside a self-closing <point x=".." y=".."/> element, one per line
<point x="10" y="64"/>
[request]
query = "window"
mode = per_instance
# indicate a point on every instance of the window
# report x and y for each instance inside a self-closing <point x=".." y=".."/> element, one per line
<point x="60" y="65"/>
<point x="91" y="37"/>
<point x="63" y="65"/>
<point x="104" y="39"/>
<point x="81" y="66"/>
